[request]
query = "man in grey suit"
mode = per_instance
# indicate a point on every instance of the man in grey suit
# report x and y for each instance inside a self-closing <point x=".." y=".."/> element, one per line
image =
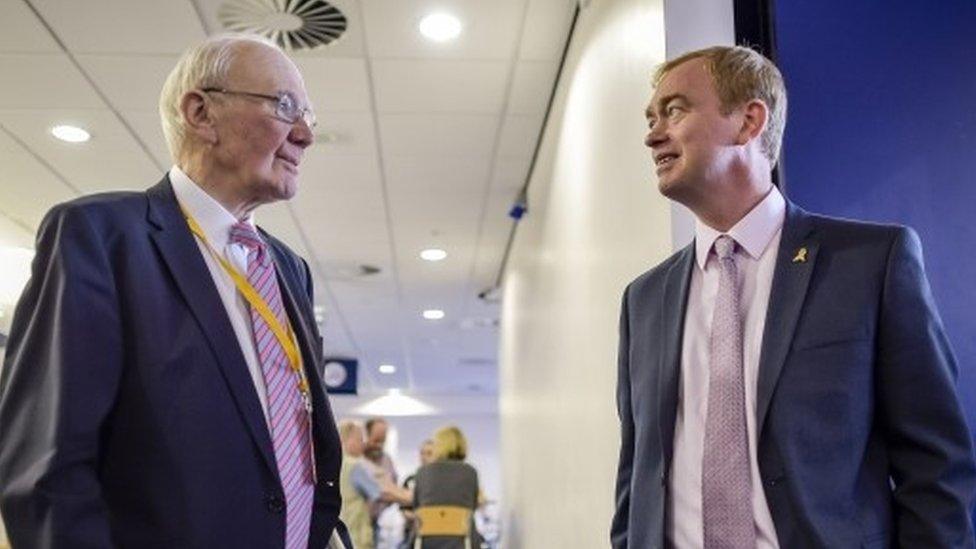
<point x="784" y="380"/>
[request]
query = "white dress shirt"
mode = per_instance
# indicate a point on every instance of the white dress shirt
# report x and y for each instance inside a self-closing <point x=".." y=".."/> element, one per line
<point x="757" y="235"/>
<point x="216" y="223"/>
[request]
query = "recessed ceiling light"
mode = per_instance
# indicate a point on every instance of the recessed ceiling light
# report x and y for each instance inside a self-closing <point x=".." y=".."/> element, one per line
<point x="433" y="314"/>
<point x="440" y="27"/>
<point x="433" y="254"/>
<point x="71" y="134"/>
<point x="387" y="369"/>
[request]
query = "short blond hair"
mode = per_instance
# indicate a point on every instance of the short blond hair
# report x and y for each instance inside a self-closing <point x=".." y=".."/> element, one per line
<point x="450" y="444"/>
<point x="346" y="428"/>
<point x="740" y="75"/>
<point x="202" y="66"/>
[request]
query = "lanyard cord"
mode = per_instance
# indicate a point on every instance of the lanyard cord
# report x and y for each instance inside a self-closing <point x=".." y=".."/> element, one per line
<point x="283" y="334"/>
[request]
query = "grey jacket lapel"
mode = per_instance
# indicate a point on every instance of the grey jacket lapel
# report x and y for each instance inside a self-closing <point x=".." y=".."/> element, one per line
<point x="791" y="277"/>
<point x="673" y="306"/>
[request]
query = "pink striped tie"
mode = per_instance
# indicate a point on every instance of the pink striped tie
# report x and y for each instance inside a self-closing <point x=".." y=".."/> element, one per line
<point x="286" y="410"/>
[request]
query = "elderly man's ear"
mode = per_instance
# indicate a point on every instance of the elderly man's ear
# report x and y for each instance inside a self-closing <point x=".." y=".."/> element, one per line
<point x="199" y="117"/>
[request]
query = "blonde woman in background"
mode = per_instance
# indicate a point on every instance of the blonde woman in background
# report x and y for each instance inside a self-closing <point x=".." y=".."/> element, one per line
<point x="448" y="481"/>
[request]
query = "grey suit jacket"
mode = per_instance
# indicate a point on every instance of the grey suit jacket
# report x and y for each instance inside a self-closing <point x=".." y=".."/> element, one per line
<point x="862" y="440"/>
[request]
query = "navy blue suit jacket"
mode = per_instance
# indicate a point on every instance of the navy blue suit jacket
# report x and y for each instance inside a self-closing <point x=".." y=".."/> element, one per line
<point x="128" y="417"/>
<point x="862" y="441"/>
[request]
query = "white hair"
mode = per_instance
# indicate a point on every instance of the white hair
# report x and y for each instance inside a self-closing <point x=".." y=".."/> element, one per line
<point x="202" y="66"/>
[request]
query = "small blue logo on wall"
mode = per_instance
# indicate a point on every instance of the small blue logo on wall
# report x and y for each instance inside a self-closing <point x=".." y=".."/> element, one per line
<point x="339" y="375"/>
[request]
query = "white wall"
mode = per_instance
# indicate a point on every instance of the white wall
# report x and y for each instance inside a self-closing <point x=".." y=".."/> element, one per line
<point x="595" y="222"/>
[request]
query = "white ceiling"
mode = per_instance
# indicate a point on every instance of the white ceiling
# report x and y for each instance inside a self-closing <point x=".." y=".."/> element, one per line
<point x="421" y="144"/>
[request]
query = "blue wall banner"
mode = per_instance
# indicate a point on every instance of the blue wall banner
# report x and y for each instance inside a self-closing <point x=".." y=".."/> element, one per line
<point x="882" y="126"/>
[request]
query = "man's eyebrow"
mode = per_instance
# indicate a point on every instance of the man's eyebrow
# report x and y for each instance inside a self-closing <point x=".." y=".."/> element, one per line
<point x="662" y="102"/>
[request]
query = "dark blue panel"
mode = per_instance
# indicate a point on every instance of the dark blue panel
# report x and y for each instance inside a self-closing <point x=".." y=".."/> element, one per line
<point x="340" y="375"/>
<point x="882" y="126"/>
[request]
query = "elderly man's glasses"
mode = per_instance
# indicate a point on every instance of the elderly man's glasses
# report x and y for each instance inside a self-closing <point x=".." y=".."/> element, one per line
<point x="286" y="106"/>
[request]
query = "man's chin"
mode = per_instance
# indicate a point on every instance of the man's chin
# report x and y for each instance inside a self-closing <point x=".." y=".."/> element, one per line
<point x="286" y="189"/>
<point x="668" y="187"/>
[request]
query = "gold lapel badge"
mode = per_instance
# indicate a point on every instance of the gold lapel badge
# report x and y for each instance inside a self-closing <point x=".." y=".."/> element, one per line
<point x="801" y="255"/>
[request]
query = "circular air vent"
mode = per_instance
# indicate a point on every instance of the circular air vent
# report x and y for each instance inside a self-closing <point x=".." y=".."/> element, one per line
<point x="293" y="24"/>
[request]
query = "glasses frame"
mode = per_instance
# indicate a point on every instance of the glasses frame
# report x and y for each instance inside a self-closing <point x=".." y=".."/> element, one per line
<point x="305" y="114"/>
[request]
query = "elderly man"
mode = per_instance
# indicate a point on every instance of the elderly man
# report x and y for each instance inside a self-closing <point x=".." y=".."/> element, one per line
<point x="361" y="485"/>
<point x="160" y="387"/>
<point x="376" y="429"/>
<point x="784" y="381"/>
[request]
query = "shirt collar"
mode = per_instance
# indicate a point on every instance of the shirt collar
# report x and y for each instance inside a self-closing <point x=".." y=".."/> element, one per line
<point x="752" y="233"/>
<point x="212" y="217"/>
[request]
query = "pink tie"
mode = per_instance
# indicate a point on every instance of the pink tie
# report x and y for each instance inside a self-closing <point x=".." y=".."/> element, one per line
<point x="290" y="432"/>
<point x="726" y="481"/>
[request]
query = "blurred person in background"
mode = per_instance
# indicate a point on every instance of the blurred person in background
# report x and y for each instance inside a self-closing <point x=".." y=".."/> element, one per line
<point x="376" y="429"/>
<point x="449" y="481"/>
<point x="362" y="484"/>
<point x="409" y="518"/>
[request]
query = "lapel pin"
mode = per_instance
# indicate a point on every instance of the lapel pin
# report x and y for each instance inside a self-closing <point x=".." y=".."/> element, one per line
<point x="801" y="255"/>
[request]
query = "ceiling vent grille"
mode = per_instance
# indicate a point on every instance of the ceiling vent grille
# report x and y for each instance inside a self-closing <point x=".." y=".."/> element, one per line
<point x="293" y="24"/>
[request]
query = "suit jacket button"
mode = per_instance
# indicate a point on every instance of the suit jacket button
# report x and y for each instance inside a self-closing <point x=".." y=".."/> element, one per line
<point x="275" y="503"/>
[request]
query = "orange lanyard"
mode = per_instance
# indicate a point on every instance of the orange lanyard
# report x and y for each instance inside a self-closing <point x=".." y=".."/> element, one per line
<point x="284" y="334"/>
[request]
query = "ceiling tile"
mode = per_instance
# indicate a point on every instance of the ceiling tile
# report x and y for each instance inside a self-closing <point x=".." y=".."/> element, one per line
<point x="490" y="29"/>
<point x="13" y="234"/>
<point x="344" y="134"/>
<point x="131" y="82"/>
<point x="532" y="87"/>
<point x="21" y="31"/>
<point x="111" y="160"/>
<point x="327" y="177"/>
<point x="123" y="26"/>
<point x="428" y="175"/>
<point x="149" y="128"/>
<point x="446" y="212"/>
<point x="335" y="85"/>
<point x="519" y="136"/>
<point x="44" y="81"/>
<point x="510" y="172"/>
<point x="27" y="188"/>
<point x="546" y="27"/>
<point x="437" y="134"/>
<point x="406" y="86"/>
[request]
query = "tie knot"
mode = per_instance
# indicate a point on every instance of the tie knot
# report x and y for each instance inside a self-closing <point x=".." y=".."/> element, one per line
<point x="245" y="234"/>
<point x="724" y="246"/>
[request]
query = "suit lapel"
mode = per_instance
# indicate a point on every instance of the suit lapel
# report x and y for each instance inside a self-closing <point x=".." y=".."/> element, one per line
<point x="290" y="287"/>
<point x="188" y="268"/>
<point x="791" y="277"/>
<point x="673" y="306"/>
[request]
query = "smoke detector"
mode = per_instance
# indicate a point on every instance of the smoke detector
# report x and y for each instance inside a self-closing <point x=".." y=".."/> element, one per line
<point x="292" y="24"/>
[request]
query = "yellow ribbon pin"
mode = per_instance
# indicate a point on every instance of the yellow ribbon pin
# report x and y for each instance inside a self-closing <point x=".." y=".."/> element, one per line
<point x="801" y="256"/>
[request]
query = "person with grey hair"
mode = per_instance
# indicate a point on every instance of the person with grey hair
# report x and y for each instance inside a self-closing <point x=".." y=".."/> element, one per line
<point x="785" y="379"/>
<point x="161" y="385"/>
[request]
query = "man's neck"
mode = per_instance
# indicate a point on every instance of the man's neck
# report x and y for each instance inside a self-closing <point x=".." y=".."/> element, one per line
<point x="226" y="193"/>
<point x="725" y="212"/>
